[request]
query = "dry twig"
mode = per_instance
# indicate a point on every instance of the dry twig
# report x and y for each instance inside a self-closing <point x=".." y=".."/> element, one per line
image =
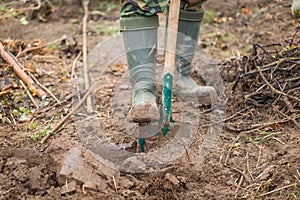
<point x="22" y="10"/>
<point x="84" y="50"/>
<point x="275" y="91"/>
<point x="64" y="37"/>
<point x="2" y="93"/>
<point x="56" y="104"/>
<point x="238" y="186"/>
<point x="29" y="95"/>
<point x="74" y="65"/>
<point x="278" y="189"/>
<point x="44" y="88"/>
<point x="17" y="67"/>
<point x="115" y="184"/>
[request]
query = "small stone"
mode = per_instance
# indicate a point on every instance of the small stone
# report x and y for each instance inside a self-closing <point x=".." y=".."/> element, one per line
<point x="75" y="167"/>
<point x="68" y="188"/>
<point x="124" y="87"/>
<point x="172" y="179"/>
<point x="182" y="179"/>
<point x="124" y="182"/>
<point x="35" y="177"/>
<point x="118" y="73"/>
<point x="15" y="162"/>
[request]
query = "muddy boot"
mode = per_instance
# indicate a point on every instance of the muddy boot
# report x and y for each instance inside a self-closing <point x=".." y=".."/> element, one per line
<point x="140" y="40"/>
<point x="188" y="28"/>
<point x="296" y="8"/>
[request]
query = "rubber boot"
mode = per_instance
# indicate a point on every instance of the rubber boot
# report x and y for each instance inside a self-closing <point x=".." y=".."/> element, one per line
<point x="140" y="40"/>
<point x="189" y="28"/>
<point x="296" y="8"/>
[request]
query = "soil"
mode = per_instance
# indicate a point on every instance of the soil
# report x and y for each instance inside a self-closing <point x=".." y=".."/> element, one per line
<point x="245" y="163"/>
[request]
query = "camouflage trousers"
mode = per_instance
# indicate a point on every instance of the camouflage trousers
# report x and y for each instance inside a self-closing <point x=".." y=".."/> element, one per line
<point x="149" y="8"/>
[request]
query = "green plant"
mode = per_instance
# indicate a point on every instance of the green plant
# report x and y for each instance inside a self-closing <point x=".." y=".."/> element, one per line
<point x="265" y="136"/>
<point x="106" y="31"/>
<point x="53" y="47"/>
<point x="24" y="110"/>
<point x="107" y="6"/>
<point x="4" y="6"/>
<point x="209" y="16"/>
<point x="43" y="130"/>
<point x="23" y="21"/>
<point x="41" y="133"/>
<point x="33" y="125"/>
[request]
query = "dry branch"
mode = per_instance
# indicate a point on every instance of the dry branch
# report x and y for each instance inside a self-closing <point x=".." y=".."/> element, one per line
<point x="2" y="93"/>
<point x="64" y="37"/>
<point x="56" y="104"/>
<point x="22" y="10"/>
<point x="268" y="84"/>
<point x="84" y="50"/>
<point x="259" y="126"/>
<point x="278" y="189"/>
<point x="74" y="65"/>
<point x="44" y="88"/>
<point x="274" y="90"/>
<point x="17" y="67"/>
<point x="270" y="65"/>
<point x="29" y="95"/>
<point x="238" y="187"/>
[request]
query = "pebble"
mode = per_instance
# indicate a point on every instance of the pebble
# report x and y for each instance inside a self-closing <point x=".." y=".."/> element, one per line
<point x="124" y="87"/>
<point x="172" y="179"/>
<point x="68" y="188"/>
<point x="35" y="177"/>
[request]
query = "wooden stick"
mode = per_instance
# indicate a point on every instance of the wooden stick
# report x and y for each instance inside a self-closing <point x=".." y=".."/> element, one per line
<point x="42" y="46"/>
<point x="8" y="87"/>
<point x="238" y="186"/>
<point x="84" y="50"/>
<point x="259" y="125"/>
<point x="115" y="185"/>
<point x="274" y="90"/>
<point x="74" y="65"/>
<point x="22" y="10"/>
<point x="29" y="95"/>
<point x="69" y="114"/>
<point x="171" y="38"/>
<point x="56" y="104"/>
<point x="4" y="92"/>
<point x="290" y="118"/>
<point x="17" y="67"/>
<point x="44" y="88"/>
<point x="278" y="189"/>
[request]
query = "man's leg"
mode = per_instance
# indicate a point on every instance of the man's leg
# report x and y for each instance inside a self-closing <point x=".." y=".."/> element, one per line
<point x="139" y="24"/>
<point x="190" y="18"/>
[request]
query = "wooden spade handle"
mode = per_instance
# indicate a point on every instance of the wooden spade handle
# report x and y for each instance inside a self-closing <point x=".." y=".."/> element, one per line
<point x="171" y="36"/>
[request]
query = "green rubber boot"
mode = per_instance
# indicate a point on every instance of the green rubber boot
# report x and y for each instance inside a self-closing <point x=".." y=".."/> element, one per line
<point x="140" y="40"/>
<point x="296" y="8"/>
<point x="188" y="28"/>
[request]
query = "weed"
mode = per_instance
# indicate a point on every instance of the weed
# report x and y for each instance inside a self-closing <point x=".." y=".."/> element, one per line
<point x="53" y="47"/>
<point x="23" y="21"/>
<point x="33" y="125"/>
<point x="43" y="130"/>
<point x="107" y="6"/>
<point x="209" y="16"/>
<point x="265" y="136"/>
<point x="107" y="31"/>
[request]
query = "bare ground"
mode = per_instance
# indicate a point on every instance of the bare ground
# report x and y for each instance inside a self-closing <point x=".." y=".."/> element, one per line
<point x="258" y="163"/>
